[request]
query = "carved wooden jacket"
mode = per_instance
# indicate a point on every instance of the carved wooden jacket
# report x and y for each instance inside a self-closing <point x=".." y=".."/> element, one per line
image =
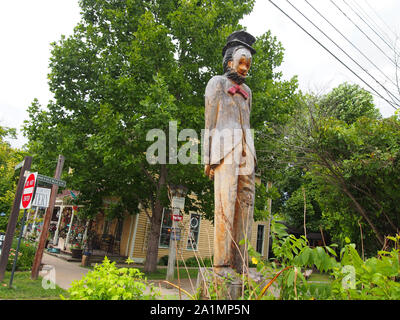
<point x="227" y="119"/>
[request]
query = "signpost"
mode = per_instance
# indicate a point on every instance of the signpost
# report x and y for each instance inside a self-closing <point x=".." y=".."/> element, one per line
<point x="26" y="203"/>
<point x="12" y="221"/>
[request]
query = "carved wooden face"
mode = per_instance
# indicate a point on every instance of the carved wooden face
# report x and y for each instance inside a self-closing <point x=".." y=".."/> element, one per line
<point x="241" y="61"/>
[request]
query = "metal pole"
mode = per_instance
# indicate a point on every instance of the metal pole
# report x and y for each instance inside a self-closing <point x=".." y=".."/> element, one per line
<point x="12" y="221"/>
<point x="17" y="250"/>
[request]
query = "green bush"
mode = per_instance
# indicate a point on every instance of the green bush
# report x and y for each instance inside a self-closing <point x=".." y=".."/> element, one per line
<point x="26" y="255"/>
<point x="163" y="261"/>
<point x="351" y="277"/>
<point x="107" y="282"/>
<point x="193" y="262"/>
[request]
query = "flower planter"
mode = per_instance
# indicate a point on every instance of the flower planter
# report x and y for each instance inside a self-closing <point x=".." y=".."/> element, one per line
<point x="76" y="253"/>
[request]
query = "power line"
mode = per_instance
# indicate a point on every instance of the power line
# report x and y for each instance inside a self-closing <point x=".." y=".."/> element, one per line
<point x="371" y="20"/>
<point x="362" y="19"/>
<point x="392" y="96"/>
<point x="379" y="17"/>
<point x="350" y="42"/>
<point x="347" y="67"/>
<point x="373" y="42"/>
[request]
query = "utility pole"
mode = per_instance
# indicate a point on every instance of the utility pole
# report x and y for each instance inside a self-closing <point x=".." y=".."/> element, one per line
<point x="12" y="221"/>
<point x="45" y="229"/>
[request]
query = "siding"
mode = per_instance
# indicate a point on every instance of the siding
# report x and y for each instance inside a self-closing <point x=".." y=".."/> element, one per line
<point x="205" y="241"/>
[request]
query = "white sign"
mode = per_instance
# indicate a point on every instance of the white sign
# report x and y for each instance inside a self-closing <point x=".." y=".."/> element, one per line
<point x="42" y="197"/>
<point x="178" y="202"/>
<point x="27" y="195"/>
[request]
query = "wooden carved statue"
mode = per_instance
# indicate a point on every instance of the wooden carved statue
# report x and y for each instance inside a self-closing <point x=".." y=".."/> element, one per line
<point x="229" y="153"/>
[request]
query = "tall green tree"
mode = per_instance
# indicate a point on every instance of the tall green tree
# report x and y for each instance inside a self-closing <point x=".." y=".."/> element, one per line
<point x="350" y="154"/>
<point x="130" y="67"/>
<point x="9" y="157"/>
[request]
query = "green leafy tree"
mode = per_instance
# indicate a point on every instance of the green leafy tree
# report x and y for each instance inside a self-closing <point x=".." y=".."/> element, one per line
<point x="354" y="165"/>
<point x="348" y="102"/>
<point x="9" y="157"/>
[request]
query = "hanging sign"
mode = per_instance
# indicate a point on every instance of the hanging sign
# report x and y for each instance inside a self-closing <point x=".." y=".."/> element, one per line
<point x="178" y="202"/>
<point x="42" y="197"/>
<point x="27" y="194"/>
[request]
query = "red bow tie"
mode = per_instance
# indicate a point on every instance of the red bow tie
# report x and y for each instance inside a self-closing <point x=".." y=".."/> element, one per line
<point x="237" y="88"/>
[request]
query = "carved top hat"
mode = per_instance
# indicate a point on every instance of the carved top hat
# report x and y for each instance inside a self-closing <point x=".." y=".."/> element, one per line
<point x="239" y="38"/>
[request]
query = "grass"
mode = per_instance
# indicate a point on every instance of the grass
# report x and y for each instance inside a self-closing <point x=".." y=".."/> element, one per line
<point x="161" y="274"/>
<point x="321" y="277"/>
<point x="23" y="288"/>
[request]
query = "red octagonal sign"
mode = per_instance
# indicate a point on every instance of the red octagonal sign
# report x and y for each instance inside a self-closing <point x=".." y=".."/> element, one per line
<point x="27" y="194"/>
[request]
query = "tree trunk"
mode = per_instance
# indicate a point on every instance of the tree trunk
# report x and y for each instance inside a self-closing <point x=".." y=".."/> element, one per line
<point x="156" y="217"/>
<point x="153" y="240"/>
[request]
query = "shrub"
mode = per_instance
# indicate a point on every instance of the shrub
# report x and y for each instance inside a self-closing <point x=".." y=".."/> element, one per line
<point x="26" y="255"/>
<point x="163" y="261"/>
<point x="107" y="282"/>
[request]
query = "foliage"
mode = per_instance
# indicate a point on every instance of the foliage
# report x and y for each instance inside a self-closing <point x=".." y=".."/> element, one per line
<point x="348" y="102"/>
<point x="375" y="278"/>
<point x="107" y="282"/>
<point x="26" y="255"/>
<point x="344" y="156"/>
<point x="76" y="245"/>
<point x="9" y="157"/>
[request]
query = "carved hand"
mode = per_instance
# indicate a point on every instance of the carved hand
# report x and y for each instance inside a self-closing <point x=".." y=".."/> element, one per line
<point x="209" y="171"/>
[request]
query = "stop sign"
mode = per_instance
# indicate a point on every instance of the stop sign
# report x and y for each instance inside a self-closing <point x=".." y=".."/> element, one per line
<point x="27" y="194"/>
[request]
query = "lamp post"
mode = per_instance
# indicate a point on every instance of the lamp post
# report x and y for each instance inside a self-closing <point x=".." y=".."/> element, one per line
<point x="177" y="196"/>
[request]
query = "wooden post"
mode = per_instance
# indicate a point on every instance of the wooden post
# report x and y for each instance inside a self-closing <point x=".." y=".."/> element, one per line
<point x="45" y="228"/>
<point x="12" y="221"/>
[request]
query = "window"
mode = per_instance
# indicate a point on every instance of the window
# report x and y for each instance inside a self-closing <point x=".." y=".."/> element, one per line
<point x="118" y="232"/>
<point x="193" y="237"/>
<point x="260" y="239"/>
<point x="166" y="225"/>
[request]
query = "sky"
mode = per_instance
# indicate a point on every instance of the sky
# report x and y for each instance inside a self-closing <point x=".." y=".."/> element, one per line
<point x="28" y="27"/>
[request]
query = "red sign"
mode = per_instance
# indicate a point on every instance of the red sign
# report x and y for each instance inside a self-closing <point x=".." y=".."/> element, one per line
<point x="177" y="217"/>
<point x="27" y="194"/>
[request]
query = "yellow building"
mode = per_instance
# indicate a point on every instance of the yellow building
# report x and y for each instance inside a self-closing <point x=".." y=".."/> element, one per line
<point x="128" y="237"/>
<point x="133" y="232"/>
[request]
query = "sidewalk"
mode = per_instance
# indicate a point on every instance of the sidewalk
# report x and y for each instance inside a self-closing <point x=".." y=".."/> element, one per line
<point x="63" y="272"/>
